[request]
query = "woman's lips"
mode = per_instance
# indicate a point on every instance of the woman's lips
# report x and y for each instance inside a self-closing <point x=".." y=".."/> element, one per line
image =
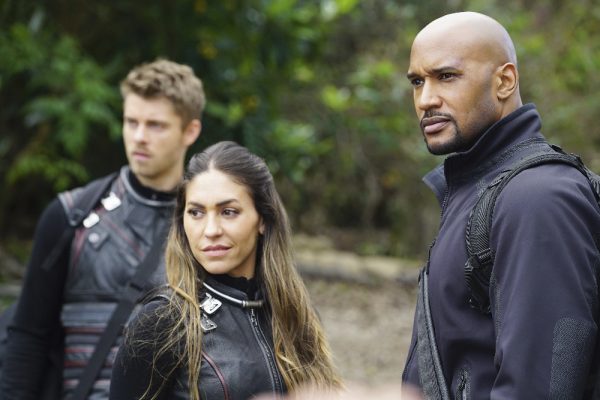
<point x="215" y="251"/>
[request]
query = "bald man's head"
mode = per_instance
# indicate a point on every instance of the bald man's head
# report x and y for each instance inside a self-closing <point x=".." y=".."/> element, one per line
<point x="475" y="30"/>
<point x="463" y="68"/>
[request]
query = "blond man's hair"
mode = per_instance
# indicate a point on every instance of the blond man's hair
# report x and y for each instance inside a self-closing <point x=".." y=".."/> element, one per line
<point x="164" y="78"/>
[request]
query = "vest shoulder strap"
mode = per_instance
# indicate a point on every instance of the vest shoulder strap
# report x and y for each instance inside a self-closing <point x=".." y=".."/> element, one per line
<point x="480" y="255"/>
<point x="77" y="205"/>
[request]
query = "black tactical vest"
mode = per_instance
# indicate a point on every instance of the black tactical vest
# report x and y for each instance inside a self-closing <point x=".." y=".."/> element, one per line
<point x="105" y="253"/>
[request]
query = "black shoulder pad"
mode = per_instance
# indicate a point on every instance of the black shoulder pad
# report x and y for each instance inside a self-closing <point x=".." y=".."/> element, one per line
<point x="78" y="203"/>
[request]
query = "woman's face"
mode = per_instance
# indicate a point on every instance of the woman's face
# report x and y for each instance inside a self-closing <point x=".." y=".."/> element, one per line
<point x="221" y="224"/>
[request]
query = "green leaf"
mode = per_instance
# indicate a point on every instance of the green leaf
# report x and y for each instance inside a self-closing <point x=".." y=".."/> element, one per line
<point x="334" y="98"/>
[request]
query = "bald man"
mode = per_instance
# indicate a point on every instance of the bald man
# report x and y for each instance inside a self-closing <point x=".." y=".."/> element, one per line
<point x="537" y="340"/>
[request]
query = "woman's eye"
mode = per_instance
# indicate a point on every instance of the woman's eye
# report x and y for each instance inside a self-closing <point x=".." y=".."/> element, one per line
<point x="194" y="212"/>
<point x="230" y="212"/>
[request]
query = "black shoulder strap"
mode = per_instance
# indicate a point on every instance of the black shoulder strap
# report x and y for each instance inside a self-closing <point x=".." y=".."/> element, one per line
<point x="84" y="204"/>
<point x="480" y="257"/>
<point x="88" y="198"/>
<point x="130" y="295"/>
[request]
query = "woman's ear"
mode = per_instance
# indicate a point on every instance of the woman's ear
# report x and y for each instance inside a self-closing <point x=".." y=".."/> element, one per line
<point x="507" y="81"/>
<point x="261" y="227"/>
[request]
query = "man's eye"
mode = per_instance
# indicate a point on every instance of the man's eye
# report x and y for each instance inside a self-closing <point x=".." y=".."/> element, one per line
<point x="416" y="82"/>
<point x="445" y="76"/>
<point x="156" y="126"/>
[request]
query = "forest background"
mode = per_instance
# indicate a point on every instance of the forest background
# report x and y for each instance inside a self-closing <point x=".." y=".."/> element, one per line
<point x="316" y="87"/>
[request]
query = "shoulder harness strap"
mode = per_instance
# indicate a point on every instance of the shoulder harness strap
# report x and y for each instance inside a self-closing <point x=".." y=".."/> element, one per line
<point x="76" y="210"/>
<point x="79" y="203"/>
<point x="480" y="257"/>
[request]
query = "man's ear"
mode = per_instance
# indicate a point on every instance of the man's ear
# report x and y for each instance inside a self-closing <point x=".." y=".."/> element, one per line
<point x="507" y="81"/>
<point x="192" y="131"/>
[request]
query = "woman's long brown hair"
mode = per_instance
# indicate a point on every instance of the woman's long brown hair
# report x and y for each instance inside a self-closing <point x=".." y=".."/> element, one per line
<point x="300" y="347"/>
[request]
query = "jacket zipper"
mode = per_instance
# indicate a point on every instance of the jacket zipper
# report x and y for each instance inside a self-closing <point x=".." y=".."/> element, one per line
<point x="461" y="392"/>
<point x="266" y="350"/>
<point x="445" y="202"/>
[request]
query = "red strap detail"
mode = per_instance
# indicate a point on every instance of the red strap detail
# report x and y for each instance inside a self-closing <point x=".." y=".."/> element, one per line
<point x="218" y="372"/>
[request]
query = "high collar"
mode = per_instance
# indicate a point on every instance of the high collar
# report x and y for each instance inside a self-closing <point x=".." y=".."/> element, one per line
<point x="145" y="194"/>
<point x="245" y="285"/>
<point x="520" y="125"/>
<point x="232" y="294"/>
<point x="148" y="192"/>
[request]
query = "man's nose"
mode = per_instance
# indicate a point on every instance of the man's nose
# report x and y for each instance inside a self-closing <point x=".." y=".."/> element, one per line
<point x="139" y="134"/>
<point x="427" y="97"/>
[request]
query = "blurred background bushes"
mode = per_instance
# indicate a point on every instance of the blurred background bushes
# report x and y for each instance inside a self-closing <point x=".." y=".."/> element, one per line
<point x="316" y="87"/>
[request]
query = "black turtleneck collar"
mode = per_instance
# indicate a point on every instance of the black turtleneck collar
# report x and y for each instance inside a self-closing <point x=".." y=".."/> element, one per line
<point x="245" y="285"/>
<point x="520" y="125"/>
<point x="148" y="193"/>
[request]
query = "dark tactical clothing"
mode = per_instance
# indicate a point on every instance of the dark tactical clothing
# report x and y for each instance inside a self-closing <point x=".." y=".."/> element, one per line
<point x="82" y="289"/>
<point x="540" y="340"/>
<point x="238" y="360"/>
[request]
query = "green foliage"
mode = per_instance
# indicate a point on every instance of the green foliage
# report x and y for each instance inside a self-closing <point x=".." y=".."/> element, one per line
<point x="63" y="90"/>
<point x="60" y="172"/>
<point x="295" y="149"/>
<point x="559" y="58"/>
<point x="338" y="99"/>
<point x="56" y="98"/>
<point x="316" y="87"/>
<point x="361" y="104"/>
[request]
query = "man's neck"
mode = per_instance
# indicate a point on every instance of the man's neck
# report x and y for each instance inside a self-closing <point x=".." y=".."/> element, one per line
<point x="148" y="192"/>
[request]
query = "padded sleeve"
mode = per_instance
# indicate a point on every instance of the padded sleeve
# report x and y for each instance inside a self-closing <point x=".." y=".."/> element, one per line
<point x="545" y="291"/>
<point x="37" y="317"/>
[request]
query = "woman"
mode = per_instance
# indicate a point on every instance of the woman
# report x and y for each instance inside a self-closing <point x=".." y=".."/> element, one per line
<point x="236" y="320"/>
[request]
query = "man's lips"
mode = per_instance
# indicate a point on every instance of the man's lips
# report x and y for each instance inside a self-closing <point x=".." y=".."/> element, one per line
<point x="140" y="155"/>
<point x="434" y="124"/>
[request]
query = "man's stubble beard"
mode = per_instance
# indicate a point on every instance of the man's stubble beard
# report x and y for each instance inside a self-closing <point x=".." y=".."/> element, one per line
<point x="456" y="143"/>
